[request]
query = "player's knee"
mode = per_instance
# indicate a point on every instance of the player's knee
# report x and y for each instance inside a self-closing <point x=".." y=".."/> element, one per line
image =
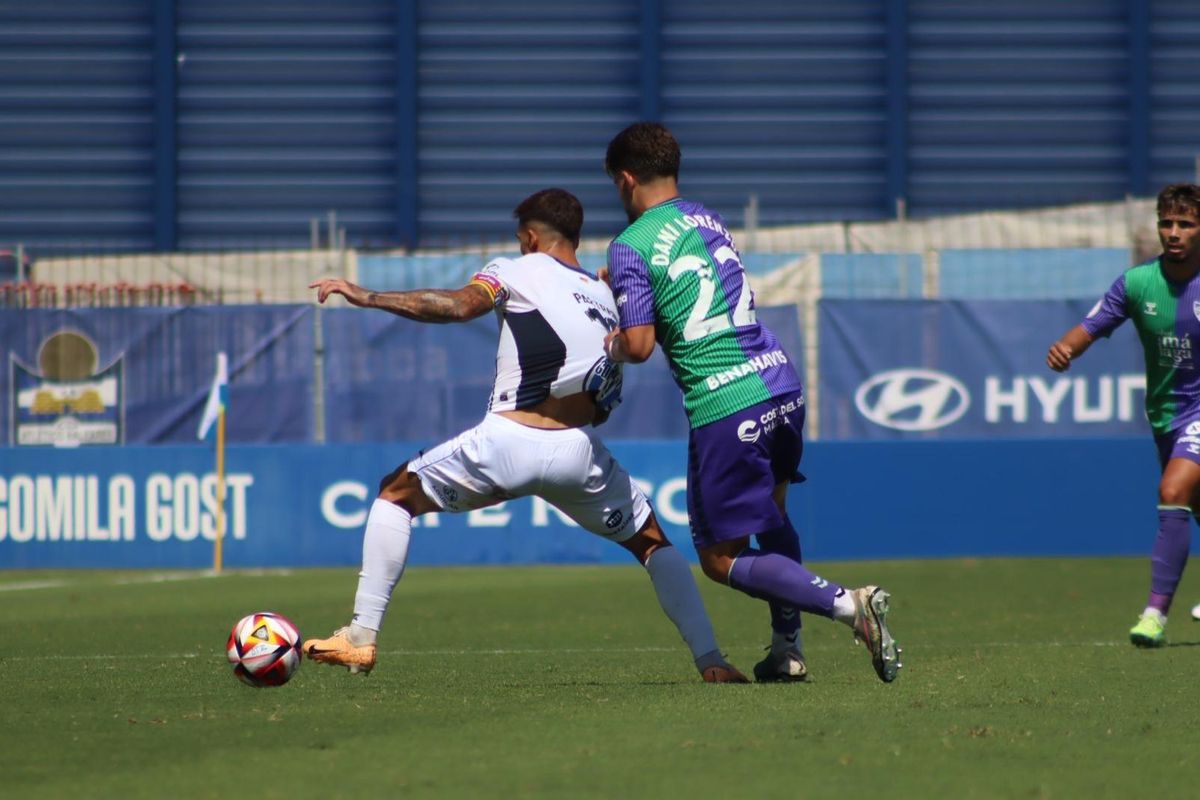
<point x="649" y="537"/>
<point x="1174" y="496"/>
<point x="715" y="566"/>
<point x="1175" y="492"/>
<point x="716" y="560"/>
<point x="405" y="490"/>
<point x="392" y="478"/>
<point x="640" y="547"/>
<point x="402" y="488"/>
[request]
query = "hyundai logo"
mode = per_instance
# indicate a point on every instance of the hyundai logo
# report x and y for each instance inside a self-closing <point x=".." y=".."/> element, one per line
<point x="912" y="399"/>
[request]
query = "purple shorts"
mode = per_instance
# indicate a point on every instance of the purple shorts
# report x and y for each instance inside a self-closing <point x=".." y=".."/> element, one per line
<point x="1180" y="443"/>
<point x="734" y="465"/>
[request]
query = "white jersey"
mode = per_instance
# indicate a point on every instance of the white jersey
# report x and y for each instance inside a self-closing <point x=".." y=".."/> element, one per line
<point x="553" y="321"/>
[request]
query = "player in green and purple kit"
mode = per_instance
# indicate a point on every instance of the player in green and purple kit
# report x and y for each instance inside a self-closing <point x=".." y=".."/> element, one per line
<point x="678" y="281"/>
<point x="1162" y="297"/>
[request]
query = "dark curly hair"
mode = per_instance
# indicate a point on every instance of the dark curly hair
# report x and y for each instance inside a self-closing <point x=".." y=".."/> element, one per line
<point x="647" y="150"/>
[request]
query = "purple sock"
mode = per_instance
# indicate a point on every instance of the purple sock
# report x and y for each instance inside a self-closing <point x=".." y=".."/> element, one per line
<point x="770" y="576"/>
<point x="784" y="541"/>
<point x="1169" y="555"/>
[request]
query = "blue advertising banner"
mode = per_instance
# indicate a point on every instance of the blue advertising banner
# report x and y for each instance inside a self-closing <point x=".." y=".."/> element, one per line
<point x="290" y="505"/>
<point x="903" y="369"/>
<point x="392" y="379"/>
<point x="304" y="505"/>
<point x="141" y="375"/>
<point x="81" y="376"/>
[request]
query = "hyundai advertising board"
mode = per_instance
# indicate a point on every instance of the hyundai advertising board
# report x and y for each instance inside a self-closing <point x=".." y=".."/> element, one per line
<point x="972" y="369"/>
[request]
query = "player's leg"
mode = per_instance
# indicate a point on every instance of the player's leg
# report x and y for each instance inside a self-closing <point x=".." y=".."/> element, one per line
<point x="445" y="478"/>
<point x="384" y="554"/>
<point x="769" y="576"/>
<point x="677" y="593"/>
<point x="1196" y="517"/>
<point x="385" y="548"/>
<point x="731" y="495"/>
<point x="609" y="504"/>
<point x="1169" y="555"/>
<point x="871" y="604"/>
<point x="773" y="577"/>
<point x="733" y="472"/>
<point x="784" y="660"/>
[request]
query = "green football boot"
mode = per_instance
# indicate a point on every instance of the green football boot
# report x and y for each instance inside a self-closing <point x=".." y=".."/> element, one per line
<point x="1150" y="631"/>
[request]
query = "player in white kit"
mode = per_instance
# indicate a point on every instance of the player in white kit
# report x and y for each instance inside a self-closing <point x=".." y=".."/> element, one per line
<point x="553" y="384"/>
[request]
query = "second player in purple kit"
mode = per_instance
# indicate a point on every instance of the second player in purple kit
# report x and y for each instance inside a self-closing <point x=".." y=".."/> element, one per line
<point x="1162" y="298"/>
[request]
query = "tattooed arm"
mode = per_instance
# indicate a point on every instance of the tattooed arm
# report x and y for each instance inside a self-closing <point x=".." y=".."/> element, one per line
<point x="422" y="305"/>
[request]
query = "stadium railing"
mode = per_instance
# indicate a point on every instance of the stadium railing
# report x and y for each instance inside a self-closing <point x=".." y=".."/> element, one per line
<point x="1071" y="251"/>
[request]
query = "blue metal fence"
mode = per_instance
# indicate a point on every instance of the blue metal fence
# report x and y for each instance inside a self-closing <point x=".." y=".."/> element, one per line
<point x="181" y="123"/>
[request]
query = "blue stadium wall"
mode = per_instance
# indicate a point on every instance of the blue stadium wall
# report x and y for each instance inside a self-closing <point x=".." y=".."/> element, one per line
<point x="167" y="124"/>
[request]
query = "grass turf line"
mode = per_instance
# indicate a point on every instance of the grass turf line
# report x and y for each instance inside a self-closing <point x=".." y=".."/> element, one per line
<point x="569" y="682"/>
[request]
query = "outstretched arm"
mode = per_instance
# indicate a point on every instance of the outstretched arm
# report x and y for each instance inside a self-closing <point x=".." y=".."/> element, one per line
<point x="422" y="305"/>
<point x="1072" y="345"/>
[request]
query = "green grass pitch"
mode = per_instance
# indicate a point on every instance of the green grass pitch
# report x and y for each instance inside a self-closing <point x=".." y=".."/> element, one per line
<point x="568" y="682"/>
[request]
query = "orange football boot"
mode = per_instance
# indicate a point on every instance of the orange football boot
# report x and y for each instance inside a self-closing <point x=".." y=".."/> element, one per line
<point x="339" y="651"/>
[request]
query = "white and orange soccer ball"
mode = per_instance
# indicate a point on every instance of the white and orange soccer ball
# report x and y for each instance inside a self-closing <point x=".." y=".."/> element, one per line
<point x="264" y="649"/>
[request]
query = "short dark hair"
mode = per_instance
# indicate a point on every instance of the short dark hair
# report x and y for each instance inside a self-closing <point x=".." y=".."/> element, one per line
<point x="1180" y="197"/>
<point x="646" y="150"/>
<point x="555" y="208"/>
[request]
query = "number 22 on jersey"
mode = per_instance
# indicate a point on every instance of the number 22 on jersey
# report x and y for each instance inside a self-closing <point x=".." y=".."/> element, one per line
<point x="699" y="324"/>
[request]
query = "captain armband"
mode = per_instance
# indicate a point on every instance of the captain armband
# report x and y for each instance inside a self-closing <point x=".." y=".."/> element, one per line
<point x="492" y="285"/>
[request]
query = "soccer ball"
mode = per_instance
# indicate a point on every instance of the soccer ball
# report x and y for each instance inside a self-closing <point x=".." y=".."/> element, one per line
<point x="264" y="649"/>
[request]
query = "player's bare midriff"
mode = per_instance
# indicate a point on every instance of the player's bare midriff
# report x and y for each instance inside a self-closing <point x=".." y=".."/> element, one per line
<point x="573" y="411"/>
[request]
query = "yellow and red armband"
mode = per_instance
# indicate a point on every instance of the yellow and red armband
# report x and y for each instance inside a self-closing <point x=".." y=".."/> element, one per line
<point x="490" y="284"/>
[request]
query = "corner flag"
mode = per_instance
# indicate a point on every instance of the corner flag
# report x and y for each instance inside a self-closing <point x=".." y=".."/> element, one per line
<point x="214" y="418"/>
<point x="218" y="397"/>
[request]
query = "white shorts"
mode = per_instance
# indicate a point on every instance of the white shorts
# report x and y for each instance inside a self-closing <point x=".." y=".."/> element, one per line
<point x="571" y="469"/>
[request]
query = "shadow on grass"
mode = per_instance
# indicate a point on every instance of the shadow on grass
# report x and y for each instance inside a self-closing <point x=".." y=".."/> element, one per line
<point x="1183" y="644"/>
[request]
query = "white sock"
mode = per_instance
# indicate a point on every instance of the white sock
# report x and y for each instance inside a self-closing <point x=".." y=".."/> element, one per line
<point x="843" y="607"/>
<point x="385" y="551"/>
<point x="360" y="636"/>
<point x="1162" y="618"/>
<point x="680" y="599"/>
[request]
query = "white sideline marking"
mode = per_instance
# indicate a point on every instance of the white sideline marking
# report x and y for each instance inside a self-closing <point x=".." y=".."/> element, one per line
<point x="152" y="577"/>
<point x="165" y="577"/>
<point x="523" y="651"/>
<point x="22" y="586"/>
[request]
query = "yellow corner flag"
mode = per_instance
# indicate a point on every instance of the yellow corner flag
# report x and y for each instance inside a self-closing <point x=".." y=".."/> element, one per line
<point x="214" y="420"/>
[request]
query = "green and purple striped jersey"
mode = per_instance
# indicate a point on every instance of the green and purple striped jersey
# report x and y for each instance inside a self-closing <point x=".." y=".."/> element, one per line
<point x="1166" y="316"/>
<point x="676" y="268"/>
